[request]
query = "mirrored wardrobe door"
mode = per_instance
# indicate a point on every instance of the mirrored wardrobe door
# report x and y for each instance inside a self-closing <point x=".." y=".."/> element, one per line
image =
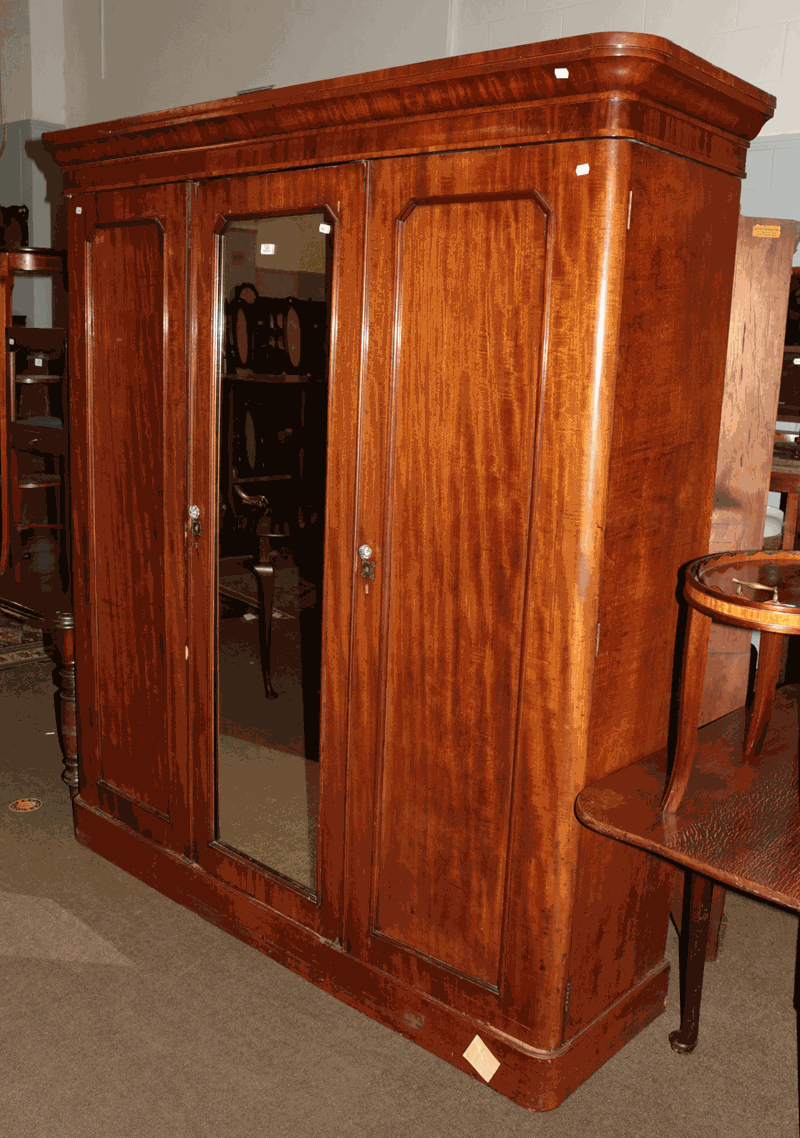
<point x="277" y="295"/>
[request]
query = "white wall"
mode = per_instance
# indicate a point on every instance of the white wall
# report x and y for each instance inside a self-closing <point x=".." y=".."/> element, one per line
<point x="757" y="40"/>
<point x="156" y="54"/>
<point x="47" y="60"/>
<point x="15" y="61"/>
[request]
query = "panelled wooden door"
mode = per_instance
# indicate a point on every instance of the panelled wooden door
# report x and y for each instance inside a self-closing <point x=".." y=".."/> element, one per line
<point x="339" y="194"/>
<point x="128" y="253"/>
<point x="457" y="668"/>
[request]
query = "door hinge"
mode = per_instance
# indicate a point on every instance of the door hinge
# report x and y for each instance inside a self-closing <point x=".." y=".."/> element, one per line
<point x="566" y="995"/>
<point x="630" y="207"/>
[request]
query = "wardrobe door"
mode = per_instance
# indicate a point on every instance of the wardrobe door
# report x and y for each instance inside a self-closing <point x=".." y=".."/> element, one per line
<point x="128" y="407"/>
<point x="277" y="297"/>
<point x="473" y="638"/>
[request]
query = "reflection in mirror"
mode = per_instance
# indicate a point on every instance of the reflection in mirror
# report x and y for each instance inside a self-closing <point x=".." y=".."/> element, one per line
<point x="274" y="297"/>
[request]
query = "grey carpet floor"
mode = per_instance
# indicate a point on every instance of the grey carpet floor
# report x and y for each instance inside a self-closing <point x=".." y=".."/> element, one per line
<point x="124" y="1015"/>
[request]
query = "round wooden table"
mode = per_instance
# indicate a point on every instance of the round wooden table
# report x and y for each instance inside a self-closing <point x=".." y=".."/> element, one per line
<point x="758" y="590"/>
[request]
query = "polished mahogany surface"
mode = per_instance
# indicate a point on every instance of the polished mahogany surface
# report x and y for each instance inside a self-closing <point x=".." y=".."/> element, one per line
<point x="515" y="462"/>
<point x="619" y="85"/>
<point x="739" y="821"/>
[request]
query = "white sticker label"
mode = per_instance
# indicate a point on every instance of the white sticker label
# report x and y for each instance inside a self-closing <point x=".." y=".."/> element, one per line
<point x="582" y="169"/>
<point x="324" y="228"/>
<point x="267" y="250"/>
<point x="562" y="73"/>
<point x="38" y="362"/>
<point x="480" y="1057"/>
<point x="79" y="209"/>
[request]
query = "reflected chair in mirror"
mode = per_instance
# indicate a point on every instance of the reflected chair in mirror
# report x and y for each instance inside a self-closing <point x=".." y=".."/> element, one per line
<point x="258" y="593"/>
<point x="729" y="811"/>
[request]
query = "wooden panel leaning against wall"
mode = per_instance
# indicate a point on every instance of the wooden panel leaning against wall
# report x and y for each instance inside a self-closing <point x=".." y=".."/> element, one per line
<point x="490" y="449"/>
<point x="764" y="251"/>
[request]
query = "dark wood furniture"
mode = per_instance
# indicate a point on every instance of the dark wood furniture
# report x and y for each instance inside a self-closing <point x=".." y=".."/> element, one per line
<point x="33" y="429"/>
<point x="729" y="811"/>
<point x="35" y="583"/>
<point x="785" y="479"/>
<point x="506" y="232"/>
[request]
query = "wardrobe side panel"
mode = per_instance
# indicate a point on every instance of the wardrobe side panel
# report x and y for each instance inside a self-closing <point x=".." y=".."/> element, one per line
<point x="675" y="309"/>
<point x="132" y="667"/>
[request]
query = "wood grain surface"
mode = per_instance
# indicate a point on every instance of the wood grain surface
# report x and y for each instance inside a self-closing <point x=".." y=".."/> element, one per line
<point x="128" y="446"/>
<point x="503" y="436"/>
<point x="619" y="85"/>
<point x="747" y="431"/>
<point x="739" y="820"/>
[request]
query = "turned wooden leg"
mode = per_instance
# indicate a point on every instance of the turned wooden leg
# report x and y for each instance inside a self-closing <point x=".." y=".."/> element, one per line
<point x="790" y="520"/>
<point x="694" y="937"/>
<point x="266" y="589"/>
<point x="769" y="666"/>
<point x="64" y="635"/>
<point x="693" y="673"/>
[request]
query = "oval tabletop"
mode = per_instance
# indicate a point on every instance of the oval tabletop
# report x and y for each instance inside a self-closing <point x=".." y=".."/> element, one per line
<point x="754" y="590"/>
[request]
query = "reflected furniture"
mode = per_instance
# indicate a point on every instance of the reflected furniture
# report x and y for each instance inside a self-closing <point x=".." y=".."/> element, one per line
<point x="505" y="516"/>
<point x="262" y="570"/>
<point x="729" y="811"/>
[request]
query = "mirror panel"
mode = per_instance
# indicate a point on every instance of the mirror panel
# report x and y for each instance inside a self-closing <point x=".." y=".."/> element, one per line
<point x="273" y="308"/>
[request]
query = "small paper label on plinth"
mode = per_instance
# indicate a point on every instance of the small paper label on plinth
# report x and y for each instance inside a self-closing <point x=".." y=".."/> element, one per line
<point x="480" y="1057"/>
<point x="766" y="230"/>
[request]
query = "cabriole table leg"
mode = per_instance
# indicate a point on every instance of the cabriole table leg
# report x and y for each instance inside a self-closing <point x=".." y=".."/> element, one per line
<point x="695" y="651"/>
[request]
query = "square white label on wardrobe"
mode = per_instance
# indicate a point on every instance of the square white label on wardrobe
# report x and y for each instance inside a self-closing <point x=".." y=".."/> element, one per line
<point x="480" y="1057"/>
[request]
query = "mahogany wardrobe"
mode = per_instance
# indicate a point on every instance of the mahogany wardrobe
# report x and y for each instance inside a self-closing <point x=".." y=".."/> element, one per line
<point x="509" y="275"/>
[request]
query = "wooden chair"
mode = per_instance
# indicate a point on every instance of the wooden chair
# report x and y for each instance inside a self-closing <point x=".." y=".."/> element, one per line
<point x="785" y="479"/>
<point x="263" y="569"/>
<point x="729" y="811"/>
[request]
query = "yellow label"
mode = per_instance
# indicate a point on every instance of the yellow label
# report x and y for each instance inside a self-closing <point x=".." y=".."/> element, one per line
<point x="766" y="230"/>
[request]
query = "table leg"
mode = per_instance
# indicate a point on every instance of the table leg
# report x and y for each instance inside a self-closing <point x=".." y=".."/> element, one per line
<point x="769" y="666"/>
<point x="266" y="588"/>
<point x="64" y="635"/>
<point x="693" y="673"/>
<point x="790" y="520"/>
<point x="693" y="958"/>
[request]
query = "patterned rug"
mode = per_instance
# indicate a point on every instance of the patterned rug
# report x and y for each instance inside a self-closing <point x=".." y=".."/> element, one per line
<point x="19" y="644"/>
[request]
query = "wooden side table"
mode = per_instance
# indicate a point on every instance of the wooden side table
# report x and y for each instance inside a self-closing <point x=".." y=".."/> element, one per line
<point x="729" y="812"/>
